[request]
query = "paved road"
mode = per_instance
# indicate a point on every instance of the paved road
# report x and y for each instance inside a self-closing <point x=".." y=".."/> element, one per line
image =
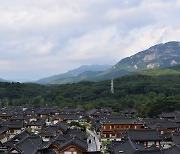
<point x="93" y="141"/>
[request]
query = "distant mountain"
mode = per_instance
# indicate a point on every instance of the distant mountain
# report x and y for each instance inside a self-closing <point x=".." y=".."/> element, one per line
<point x="76" y="75"/>
<point x="158" y="56"/>
<point x="2" y="80"/>
<point x="21" y="80"/>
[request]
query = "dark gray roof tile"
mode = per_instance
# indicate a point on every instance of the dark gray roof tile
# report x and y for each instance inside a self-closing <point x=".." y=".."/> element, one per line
<point x="74" y="141"/>
<point x="144" y="135"/>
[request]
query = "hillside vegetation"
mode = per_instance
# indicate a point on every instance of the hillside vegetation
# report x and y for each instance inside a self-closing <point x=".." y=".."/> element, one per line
<point x="151" y="92"/>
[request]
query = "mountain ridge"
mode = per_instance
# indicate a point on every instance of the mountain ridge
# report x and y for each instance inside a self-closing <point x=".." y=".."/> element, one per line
<point x="158" y="56"/>
<point x="62" y="78"/>
<point x="3" y="80"/>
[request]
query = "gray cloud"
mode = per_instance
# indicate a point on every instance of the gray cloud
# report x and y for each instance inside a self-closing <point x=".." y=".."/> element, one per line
<point x="46" y="37"/>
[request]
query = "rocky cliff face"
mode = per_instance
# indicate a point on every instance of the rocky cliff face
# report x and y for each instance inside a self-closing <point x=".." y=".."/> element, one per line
<point x="158" y="56"/>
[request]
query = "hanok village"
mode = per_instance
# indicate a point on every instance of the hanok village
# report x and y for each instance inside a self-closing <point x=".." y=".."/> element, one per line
<point x="76" y="131"/>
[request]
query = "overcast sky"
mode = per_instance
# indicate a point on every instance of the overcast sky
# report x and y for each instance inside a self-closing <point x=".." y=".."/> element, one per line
<point x="40" y="38"/>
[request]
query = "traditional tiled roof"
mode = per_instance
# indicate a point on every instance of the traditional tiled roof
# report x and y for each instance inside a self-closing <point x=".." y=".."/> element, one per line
<point x="76" y="142"/>
<point x="176" y="138"/>
<point x="106" y="110"/>
<point x="173" y="150"/>
<point x="62" y="138"/>
<point x="76" y="132"/>
<point x="39" y="122"/>
<point x="113" y="117"/>
<point x="17" y="138"/>
<point x="91" y="112"/>
<point x="17" y="117"/>
<point x="22" y="135"/>
<point x="170" y="114"/>
<point x="62" y="126"/>
<point x="3" y="129"/>
<point x="16" y="124"/>
<point x="149" y="121"/>
<point x="49" y="131"/>
<point x="47" y="111"/>
<point x="131" y="147"/>
<point x="5" y="113"/>
<point x="166" y="136"/>
<point x="46" y="134"/>
<point x="163" y="126"/>
<point x="26" y="146"/>
<point x="128" y="147"/>
<point x="177" y="119"/>
<point x="144" y="135"/>
<point x="160" y="124"/>
<point x="98" y="112"/>
<point x="69" y="116"/>
<point x="36" y="140"/>
<point x="112" y="144"/>
<point x="67" y="110"/>
<point x="119" y="121"/>
<point x="29" y="111"/>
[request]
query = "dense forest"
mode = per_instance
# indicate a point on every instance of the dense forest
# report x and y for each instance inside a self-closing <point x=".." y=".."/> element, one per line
<point x="150" y="92"/>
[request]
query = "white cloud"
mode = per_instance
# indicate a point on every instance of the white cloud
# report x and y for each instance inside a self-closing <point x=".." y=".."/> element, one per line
<point x="93" y="45"/>
<point x="5" y="65"/>
<point x="44" y="49"/>
<point x="34" y="17"/>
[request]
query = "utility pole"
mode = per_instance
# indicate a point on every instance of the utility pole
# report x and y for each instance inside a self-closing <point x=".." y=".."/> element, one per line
<point x="112" y="86"/>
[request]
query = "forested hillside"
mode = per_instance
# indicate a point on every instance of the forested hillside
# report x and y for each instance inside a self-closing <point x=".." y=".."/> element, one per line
<point x="151" y="92"/>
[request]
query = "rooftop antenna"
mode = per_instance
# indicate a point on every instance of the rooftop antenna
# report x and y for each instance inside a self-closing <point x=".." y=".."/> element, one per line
<point x="112" y="86"/>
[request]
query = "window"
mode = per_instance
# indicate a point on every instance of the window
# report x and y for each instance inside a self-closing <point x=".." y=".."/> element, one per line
<point x="67" y="152"/>
<point x="11" y="131"/>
